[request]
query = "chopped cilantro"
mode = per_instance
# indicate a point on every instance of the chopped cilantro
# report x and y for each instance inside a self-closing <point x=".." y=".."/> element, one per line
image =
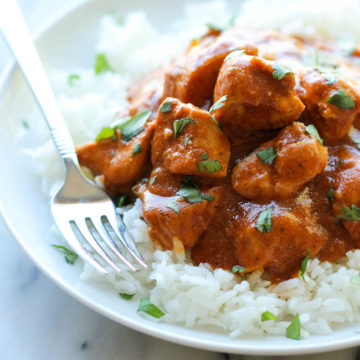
<point x="70" y="256"/>
<point x="190" y="191"/>
<point x="105" y="134"/>
<point x="73" y="78"/>
<point x="179" y="125"/>
<point x="330" y="194"/>
<point x="350" y="213"/>
<point x="267" y="155"/>
<point x="234" y="54"/>
<point x="280" y="71"/>
<point x="237" y="269"/>
<point x="263" y="223"/>
<point x="293" y="330"/>
<point x="312" y="130"/>
<point x="166" y="107"/>
<point x="152" y="180"/>
<point x="204" y="156"/>
<point x="101" y="64"/>
<point x="149" y="308"/>
<point x="25" y="124"/>
<point x="209" y="165"/>
<point x="218" y="104"/>
<point x="173" y="206"/>
<point x="137" y="149"/>
<point x="304" y="264"/>
<point x="134" y="125"/>
<point x="187" y="139"/>
<point x="126" y="296"/>
<point x="144" y="180"/>
<point x="122" y="200"/>
<point x="341" y="99"/>
<point x="208" y="197"/>
<point x="267" y="315"/>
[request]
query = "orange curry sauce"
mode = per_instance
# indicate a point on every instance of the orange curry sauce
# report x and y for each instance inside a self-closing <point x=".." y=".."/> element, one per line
<point x="264" y="178"/>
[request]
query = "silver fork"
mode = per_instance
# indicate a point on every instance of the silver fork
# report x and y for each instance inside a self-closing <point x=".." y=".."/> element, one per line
<point x="83" y="212"/>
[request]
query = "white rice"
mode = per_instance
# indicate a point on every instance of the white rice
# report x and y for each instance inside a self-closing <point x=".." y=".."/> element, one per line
<point x="196" y="295"/>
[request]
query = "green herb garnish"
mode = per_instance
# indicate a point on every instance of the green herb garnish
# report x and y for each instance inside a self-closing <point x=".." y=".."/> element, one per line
<point x="330" y="194"/>
<point x="122" y="200"/>
<point x="101" y="64"/>
<point x="190" y="191"/>
<point x="137" y="149"/>
<point x="204" y="156"/>
<point x="293" y="330"/>
<point x="312" y="130"/>
<point x="350" y="213"/>
<point x="267" y="315"/>
<point x="237" y="269"/>
<point x="70" y="256"/>
<point x="126" y="296"/>
<point x="152" y="180"/>
<point x="267" y="155"/>
<point x="105" y="134"/>
<point x="263" y="223"/>
<point x="280" y="71"/>
<point x="174" y="206"/>
<point x="149" y="308"/>
<point x="357" y="142"/>
<point x="166" y="107"/>
<point x="25" y="124"/>
<point x="341" y="99"/>
<point x="303" y="265"/>
<point x="179" y="125"/>
<point x="209" y="165"/>
<point x="144" y="180"/>
<point x="218" y="104"/>
<point x="187" y="139"/>
<point x="73" y="78"/>
<point x="134" y="125"/>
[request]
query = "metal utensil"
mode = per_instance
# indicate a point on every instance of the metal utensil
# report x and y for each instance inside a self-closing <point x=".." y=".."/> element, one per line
<point x="83" y="212"/>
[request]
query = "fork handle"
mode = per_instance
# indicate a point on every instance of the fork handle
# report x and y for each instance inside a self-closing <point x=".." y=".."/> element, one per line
<point x="19" y="40"/>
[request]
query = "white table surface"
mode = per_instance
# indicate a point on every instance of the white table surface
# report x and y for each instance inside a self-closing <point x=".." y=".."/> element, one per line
<point x="38" y="321"/>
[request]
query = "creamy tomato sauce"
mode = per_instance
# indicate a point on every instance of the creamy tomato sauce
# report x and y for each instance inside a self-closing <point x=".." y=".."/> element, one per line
<point x="250" y="145"/>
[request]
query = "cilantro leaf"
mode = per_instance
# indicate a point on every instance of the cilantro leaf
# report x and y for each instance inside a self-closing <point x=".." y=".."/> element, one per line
<point x="187" y="139"/>
<point x="70" y="256"/>
<point x="303" y="265"/>
<point x="73" y="78"/>
<point x="208" y="197"/>
<point x="293" y="330"/>
<point x="330" y="194"/>
<point x="267" y="315"/>
<point x="209" y="165"/>
<point x="312" y="130"/>
<point x="350" y="213"/>
<point x="101" y="64"/>
<point x="263" y="223"/>
<point x="280" y="71"/>
<point x="122" y="200"/>
<point x="126" y="296"/>
<point x="204" y="156"/>
<point x="105" y="133"/>
<point x="218" y="104"/>
<point x="237" y="269"/>
<point x="166" y="107"/>
<point x="137" y="149"/>
<point x="173" y="206"/>
<point x="25" y="124"/>
<point x="190" y="192"/>
<point x="152" y="180"/>
<point x="179" y="125"/>
<point x="267" y="156"/>
<point x="341" y="99"/>
<point x="149" y="308"/>
<point x="134" y="125"/>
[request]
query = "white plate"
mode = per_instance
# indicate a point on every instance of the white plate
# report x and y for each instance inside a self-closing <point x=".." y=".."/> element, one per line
<point x="67" y="43"/>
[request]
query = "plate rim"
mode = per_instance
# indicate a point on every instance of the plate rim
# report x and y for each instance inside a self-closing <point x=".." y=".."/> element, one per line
<point x="151" y="328"/>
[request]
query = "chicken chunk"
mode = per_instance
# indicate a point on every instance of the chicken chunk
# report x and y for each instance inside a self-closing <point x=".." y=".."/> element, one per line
<point x="192" y="77"/>
<point x="332" y="104"/>
<point x="255" y="98"/>
<point x="175" y="222"/>
<point x="291" y="236"/>
<point x="120" y="163"/>
<point x="188" y="141"/>
<point x="346" y="185"/>
<point x="279" y="167"/>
